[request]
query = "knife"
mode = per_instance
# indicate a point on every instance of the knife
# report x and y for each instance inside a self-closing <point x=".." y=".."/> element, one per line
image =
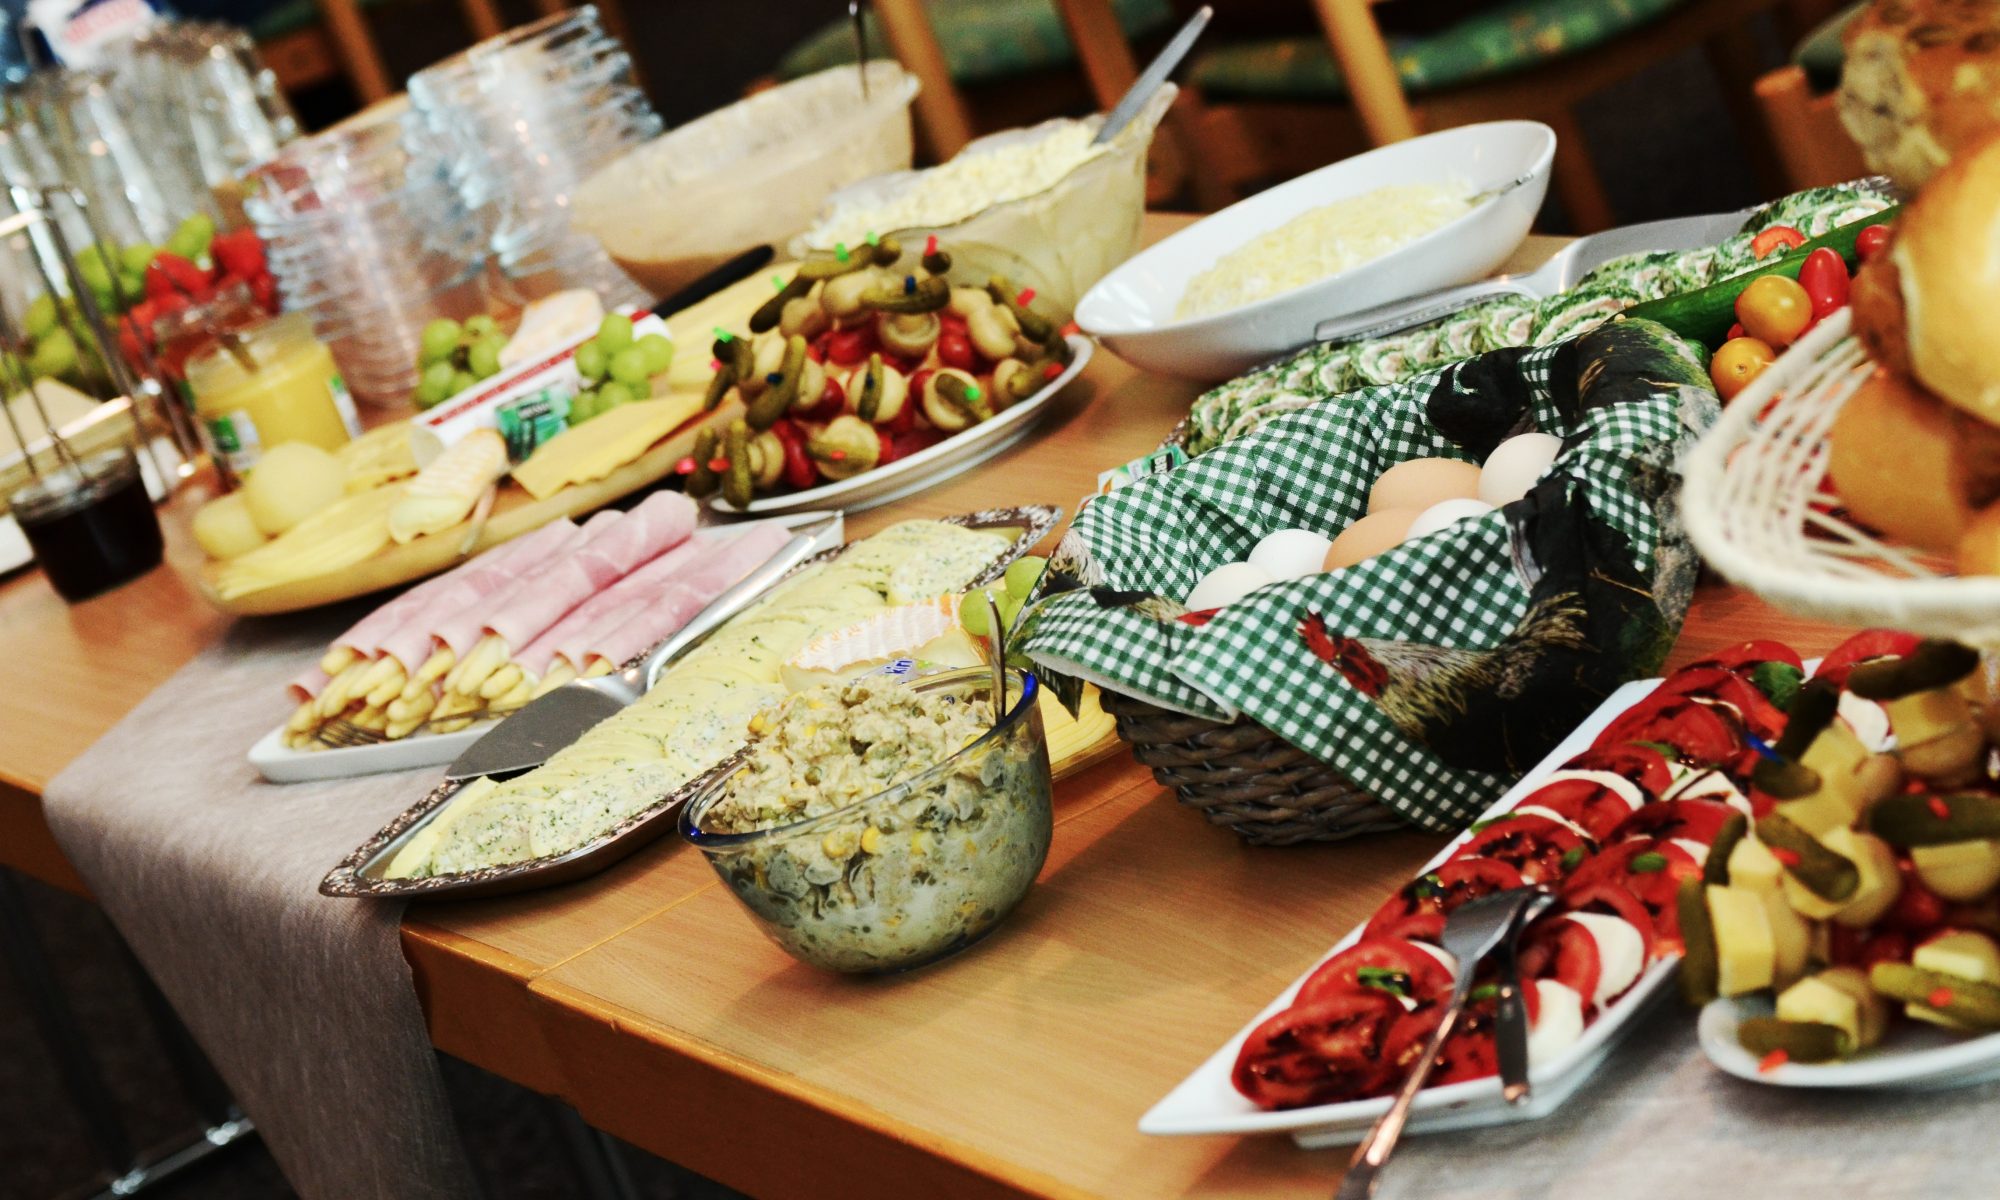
<point x="1559" y="274"/>
<point x="550" y="722"/>
<point x="738" y="267"/>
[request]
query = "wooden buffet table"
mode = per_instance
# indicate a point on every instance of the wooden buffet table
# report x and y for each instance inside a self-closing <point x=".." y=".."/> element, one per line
<point x="650" y="1002"/>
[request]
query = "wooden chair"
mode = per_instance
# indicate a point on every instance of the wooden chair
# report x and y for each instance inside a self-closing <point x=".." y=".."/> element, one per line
<point x="1812" y="145"/>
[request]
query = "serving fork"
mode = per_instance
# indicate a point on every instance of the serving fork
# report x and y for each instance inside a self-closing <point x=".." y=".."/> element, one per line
<point x="1471" y="933"/>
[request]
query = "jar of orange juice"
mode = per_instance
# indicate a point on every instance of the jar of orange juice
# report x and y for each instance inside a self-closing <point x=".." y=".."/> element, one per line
<point x="272" y="382"/>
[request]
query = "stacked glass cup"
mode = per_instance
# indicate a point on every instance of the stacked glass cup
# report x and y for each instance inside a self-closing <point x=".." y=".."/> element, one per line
<point x="368" y="237"/>
<point x="523" y="119"/>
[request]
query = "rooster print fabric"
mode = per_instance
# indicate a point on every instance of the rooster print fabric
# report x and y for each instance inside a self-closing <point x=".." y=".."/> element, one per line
<point x="1435" y="674"/>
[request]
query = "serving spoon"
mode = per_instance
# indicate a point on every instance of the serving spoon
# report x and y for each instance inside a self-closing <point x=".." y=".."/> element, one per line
<point x="1153" y="76"/>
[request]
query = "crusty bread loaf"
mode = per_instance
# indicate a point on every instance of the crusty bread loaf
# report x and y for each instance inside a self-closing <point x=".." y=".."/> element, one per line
<point x="1921" y="80"/>
<point x="1895" y="466"/>
<point x="1947" y="257"/>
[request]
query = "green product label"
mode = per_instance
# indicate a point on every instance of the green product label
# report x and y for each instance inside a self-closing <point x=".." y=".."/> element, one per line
<point x="343" y="403"/>
<point x="526" y="422"/>
<point x="233" y="437"/>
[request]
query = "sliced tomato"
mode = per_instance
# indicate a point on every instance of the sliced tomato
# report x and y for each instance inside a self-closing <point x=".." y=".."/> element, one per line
<point x="1651" y="871"/>
<point x="1317" y="1053"/>
<point x="1585" y="803"/>
<point x="1542" y="850"/>
<point x="1918" y="909"/>
<point x="1744" y="656"/>
<point x="1863" y="948"/>
<point x="1640" y="763"/>
<point x="1391" y="966"/>
<point x="1699" y="733"/>
<point x="1695" y="820"/>
<point x="1869" y="643"/>
<point x="1721" y="684"/>
<point x="1418" y="909"/>
<point x="1562" y="950"/>
<point x="1614" y="899"/>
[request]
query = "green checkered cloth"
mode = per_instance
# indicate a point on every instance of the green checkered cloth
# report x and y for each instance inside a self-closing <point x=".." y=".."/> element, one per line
<point x="1317" y="372"/>
<point x="1634" y="397"/>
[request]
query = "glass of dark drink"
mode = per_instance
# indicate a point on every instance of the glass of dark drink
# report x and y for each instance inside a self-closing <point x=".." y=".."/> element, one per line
<point x="91" y="523"/>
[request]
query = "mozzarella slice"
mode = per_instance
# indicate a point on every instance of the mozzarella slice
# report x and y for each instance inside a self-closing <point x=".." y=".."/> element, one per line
<point x="1621" y="954"/>
<point x="1536" y="810"/>
<point x="1626" y="790"/>
<point x="1868" y="720"/>
<point x="1708" y="784"/>
<point x="1558" y="1024"/>
<point x="1695" y="850"/>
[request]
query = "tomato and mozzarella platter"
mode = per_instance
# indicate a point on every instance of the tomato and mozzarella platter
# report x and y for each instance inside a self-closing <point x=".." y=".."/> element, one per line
<point x="1615" y="831"/>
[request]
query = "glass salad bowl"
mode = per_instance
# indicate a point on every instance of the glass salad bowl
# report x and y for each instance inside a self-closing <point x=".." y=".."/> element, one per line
<point x="909" y="874"/>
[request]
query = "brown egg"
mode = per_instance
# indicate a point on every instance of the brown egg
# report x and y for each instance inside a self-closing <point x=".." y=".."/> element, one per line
<point x="1422" y="482"/>
<point x="1370" y="536"/>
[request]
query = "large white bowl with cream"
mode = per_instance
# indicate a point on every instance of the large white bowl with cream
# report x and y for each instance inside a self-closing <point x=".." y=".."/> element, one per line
<point x="1132" y="310"/>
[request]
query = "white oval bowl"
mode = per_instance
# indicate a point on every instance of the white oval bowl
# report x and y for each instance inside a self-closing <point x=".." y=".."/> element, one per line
<point x="1131" y="310"/>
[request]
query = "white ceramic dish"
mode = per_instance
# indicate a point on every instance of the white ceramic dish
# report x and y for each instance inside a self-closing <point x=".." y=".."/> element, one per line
<point x="1131" y="310"/>
<point x="1913" y="1057"/>
<point x="280" y="763"/>
<point x="1206" y="1102"/>
<point x="967" y="448"/>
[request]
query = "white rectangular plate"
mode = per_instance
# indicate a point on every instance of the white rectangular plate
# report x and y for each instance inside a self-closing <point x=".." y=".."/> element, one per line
<point x="966" y="448"/>
<point x="1912" y="1057"/>
<point x="1206" y="1101"/>
<point x="280" y="763"/>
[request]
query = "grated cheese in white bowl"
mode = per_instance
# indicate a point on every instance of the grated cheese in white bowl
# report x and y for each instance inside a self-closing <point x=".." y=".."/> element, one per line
<point x="1322" y="242"/>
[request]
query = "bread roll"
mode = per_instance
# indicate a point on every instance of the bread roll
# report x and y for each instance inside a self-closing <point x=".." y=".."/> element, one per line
<point x="1921" y="81"/>
<point x="1895" y="464"/>
<point x="1947" y="256"/>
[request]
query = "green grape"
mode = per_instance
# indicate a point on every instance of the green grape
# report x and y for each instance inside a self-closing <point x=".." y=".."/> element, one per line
<point x="973" y="616"/>
<point x="461" y="380"/>
<point x="1024" y="573"/>
<point x="131" y="287"/>
<point x="481" y="326"/>
<point x="96" y="274"/>
<point x="584" y="407"/>
<point x="611" y="394"/>
<point x="439" y="376"/>
<point x="191" y="239"/>
<point x="591" y="360"/>
<point x="41" y="316"/>
<point x="615" y="332"/>
<point x="659" y="352"/>
<point x="54" y="354"/>
<point x="484" y="357"/>
<point x="429" y="393"/>
<point x="628" y="367"/>
<point x="1010" y="607"/>
<point x="134" y="259"/>
<point x="440" y="338"/>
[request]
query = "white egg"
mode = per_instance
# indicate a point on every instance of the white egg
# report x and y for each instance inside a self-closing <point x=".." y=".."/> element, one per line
<point x="1226" y="585"/>
<point x="1291" y="553"/>
<point x="1445" y="514"/>
<point x="1515" y="465"/>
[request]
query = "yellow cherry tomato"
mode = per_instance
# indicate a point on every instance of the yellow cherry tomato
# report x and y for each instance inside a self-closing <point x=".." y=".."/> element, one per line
<point x="1774" y="310"/>
<point x="1739" y="361"/>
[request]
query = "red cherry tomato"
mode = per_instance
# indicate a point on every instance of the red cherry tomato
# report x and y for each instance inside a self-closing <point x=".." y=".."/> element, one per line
<point x="238" y="253"/>
<point x="1774" y="310"/>
<point x="1317" y="1053"/>
<point x="1418" y="909"/>
<point x="1643" y="765"/>
<point x="1869" y="643"/>
<point x="850" y="347"/>
<point x="800" y="470"/>
<point x="1863" y="948"/>
<point x="954" y="349"/>
<point x="1542" y="850"/>
<point x="1587" y="804"/>
<point x="1391" y="966"/>
<point x="1735" y="331"/>
<point x="1870" y="241"/>
<point x="1917" y="908"/>
<point x="832" y="402"/>
<point x="1776" y="239"/>
<point x="1562" y="950"/>
<point x="1824" y="277"/>
<point x="1737" y="364"/>
<point x="264" y="290"/>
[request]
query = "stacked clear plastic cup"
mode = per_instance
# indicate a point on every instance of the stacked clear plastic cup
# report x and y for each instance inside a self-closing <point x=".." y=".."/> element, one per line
<point x="522" y="120"/>
<point x="368" y="237"/>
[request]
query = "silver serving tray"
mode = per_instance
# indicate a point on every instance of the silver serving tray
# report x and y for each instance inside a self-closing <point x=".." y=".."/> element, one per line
<point x="360" y="873"/>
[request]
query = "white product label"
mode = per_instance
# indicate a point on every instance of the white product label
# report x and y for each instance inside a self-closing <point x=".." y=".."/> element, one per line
<point x="233" y="436"/>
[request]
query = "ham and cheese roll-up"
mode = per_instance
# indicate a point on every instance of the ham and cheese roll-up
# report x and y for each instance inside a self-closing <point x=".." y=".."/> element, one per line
<point x="673" y="605"/>
<point x="572" y="631"/>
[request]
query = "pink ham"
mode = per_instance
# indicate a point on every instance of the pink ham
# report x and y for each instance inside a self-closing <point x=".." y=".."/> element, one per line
<point x="475" y="585"/>
<point x="677" y="601"/>
<point x="461" y="627"/>
<point x="308" y="684"/>
<point x="591" y="614"/>
<point x="663" y="521"/>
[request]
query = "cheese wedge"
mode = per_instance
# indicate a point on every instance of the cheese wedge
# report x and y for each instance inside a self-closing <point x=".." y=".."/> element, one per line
<point x="603" y="444"/>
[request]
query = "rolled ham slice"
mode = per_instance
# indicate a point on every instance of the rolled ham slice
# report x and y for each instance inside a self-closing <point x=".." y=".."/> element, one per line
<point x="411" y="641"/>
<point x="461" y="627"/>
<point x="679" y="600"/>
<point x="663" y="521"/>
<point x="635" y="588"/>
<point x="442" y="593"/>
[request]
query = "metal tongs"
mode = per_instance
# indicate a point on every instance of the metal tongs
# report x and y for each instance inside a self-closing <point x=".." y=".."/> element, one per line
<point x="1471" y="933"/>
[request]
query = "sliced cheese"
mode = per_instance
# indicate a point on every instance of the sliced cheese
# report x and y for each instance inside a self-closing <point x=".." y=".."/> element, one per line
<point x="602" y="444"/>
<point x="1621" y="953"/>
<point x="551" y="323"/>
<point x="928" y="633"/>
<point x="1558" y="1023"/>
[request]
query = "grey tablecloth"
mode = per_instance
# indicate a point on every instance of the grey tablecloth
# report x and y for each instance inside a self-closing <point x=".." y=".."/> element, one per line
<point x="1658" y="1122"/>
<point x="304" y="1003"/>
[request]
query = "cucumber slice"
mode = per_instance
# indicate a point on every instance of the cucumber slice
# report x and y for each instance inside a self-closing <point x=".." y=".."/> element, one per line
<point x="1972" y="1004"/>
<point x="1914" y="820"/>
<point x="1715" y="868"/>
<point x="1819" y="870"/>
<point x="1801" y="1041"/>
<point x="1700" y="968"/>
